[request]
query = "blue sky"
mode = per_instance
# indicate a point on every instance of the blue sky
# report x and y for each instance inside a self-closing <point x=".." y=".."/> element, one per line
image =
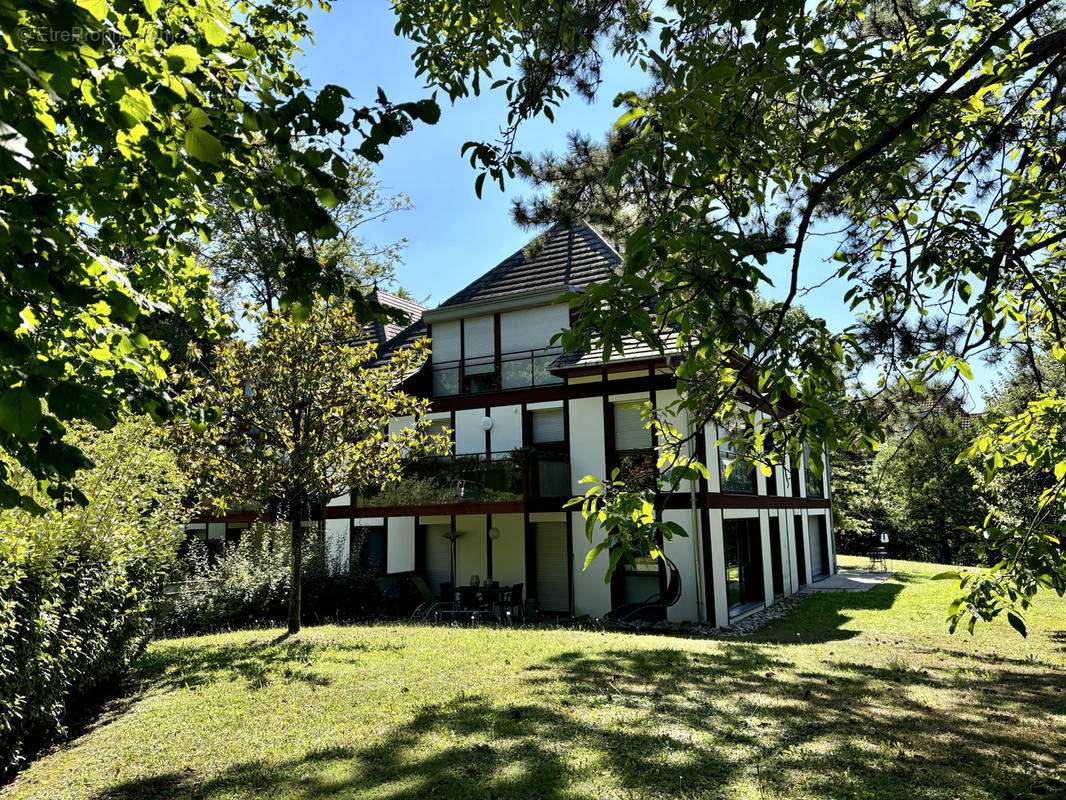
<point x="454" y="237"/>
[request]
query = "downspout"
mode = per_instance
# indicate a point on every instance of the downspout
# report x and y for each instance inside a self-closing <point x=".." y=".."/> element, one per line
<point x="697" y="536"/>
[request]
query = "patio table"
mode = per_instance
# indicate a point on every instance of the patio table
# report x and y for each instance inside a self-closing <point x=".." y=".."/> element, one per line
<point x="494" y="596"/>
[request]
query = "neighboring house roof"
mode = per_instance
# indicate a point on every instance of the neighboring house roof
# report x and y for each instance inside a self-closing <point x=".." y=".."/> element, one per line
<point x="381" y="332"/>
<point x="574" y="256"/>
<point x="633" y="350"/>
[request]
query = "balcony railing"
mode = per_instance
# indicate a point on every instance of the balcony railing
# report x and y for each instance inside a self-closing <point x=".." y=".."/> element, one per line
<point x="505" y="477"/>
<point x="518" y="370"/>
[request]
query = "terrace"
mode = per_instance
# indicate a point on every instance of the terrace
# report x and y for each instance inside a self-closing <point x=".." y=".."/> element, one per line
<point x="508" y="477"/>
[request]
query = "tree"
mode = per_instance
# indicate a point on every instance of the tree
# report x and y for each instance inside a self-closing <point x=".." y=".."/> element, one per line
<point x="924" y="141"/>
<point x="118" y="118"/>
<point x="302" y="414"/>
<point x="80" y="586"/>
<point x="251" y="251"/>
<point x="929" y="497"/>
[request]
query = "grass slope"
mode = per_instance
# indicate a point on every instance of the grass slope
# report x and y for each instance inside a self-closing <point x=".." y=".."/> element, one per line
<point x="851" y="696"/>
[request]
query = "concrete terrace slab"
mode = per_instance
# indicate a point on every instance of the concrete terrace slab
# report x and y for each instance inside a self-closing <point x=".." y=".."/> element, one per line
<point x="849" y="580"/>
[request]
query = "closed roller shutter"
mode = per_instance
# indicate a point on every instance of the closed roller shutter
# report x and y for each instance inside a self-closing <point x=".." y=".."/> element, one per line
<point x="629" y="430"/>
<point x="438" y="557"/>
<point x="553" y="579"/>
<point x="548" y="426"/>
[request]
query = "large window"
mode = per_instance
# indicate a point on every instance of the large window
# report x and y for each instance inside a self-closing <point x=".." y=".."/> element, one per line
<point x="777" y="566"/>
<point x="743" y="562"/>
<point x="367" y="549"/>
<point x="741" y="478"/>
<point x="634" y="450"/>
<point x="815" y="487"/>
<point x="550" y="466"/>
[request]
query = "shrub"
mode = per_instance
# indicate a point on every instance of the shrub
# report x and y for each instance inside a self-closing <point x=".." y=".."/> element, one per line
<point x="248" y="585"/>
<point x="79" y="584"/>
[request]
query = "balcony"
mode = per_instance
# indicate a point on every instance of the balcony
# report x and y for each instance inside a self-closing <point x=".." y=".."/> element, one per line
<point x="518" y="370"/>
<point x="506" y="477"/>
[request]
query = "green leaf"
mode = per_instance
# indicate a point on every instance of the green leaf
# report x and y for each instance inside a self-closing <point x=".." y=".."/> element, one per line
<point x="819" y="45"/>
<point x="203" y="146"/>
<point x="20" y="411"/>
<point x="629" y="116"/>
<point x="98" y="8"/>
<point x="1017" y="623"/>
<point x="964" y="368"/>
<point x="183" y="57"/>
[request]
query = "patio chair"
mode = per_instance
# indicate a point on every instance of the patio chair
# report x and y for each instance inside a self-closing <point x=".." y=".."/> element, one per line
<point x="430" y="604"/>
<point x="469" y="599"/>
<point x="654" y="608"/>
<point x="514" y="605"/>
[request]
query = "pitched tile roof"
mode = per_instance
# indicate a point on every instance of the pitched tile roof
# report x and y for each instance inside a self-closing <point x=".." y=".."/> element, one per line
<point x="633" y="350"/>
<point x="573" y="256"/>
<point x="381" y="332"/>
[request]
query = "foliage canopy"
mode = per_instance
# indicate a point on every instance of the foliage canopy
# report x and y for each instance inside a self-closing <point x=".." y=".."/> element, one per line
<point x="925" y="140"/>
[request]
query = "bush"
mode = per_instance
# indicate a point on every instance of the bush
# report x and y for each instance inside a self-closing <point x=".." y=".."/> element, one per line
<point x="248" y="585"/>
<point x="79" y="585"/>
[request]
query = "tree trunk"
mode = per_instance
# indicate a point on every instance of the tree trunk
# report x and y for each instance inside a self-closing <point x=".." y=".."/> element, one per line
<point x="296" y="508"/>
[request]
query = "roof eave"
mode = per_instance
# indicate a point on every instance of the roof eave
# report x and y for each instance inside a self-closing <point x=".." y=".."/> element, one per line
<point x="512" y="303"/>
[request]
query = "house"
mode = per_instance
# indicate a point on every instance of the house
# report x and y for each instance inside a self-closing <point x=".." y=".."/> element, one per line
<point x="528" y="422"/>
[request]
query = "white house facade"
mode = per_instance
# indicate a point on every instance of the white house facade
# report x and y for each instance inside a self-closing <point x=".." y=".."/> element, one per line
<point x="528" y="422"/>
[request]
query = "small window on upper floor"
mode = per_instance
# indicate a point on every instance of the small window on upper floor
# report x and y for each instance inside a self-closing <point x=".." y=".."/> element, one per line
<point x="815" y="488"/>
<point x="634" y="447"/>
<point x="741" y="476"/>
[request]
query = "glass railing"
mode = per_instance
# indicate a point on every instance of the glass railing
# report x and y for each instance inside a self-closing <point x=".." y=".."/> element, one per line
<point x="504" y="477"/>
<point x="518" y="370"/>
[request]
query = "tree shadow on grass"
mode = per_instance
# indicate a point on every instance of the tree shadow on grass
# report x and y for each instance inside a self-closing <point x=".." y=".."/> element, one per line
<point x="743" y="719"/>
<point x="176" y="664"/>
<point x="823" y="616"/>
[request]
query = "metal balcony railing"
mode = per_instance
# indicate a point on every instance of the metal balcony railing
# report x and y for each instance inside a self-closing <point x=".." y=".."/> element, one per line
<point x="504" y="477"/>
<point x="518" y="370"/>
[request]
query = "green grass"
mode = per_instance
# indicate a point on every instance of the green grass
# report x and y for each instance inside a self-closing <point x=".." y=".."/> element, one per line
<point x="851" y="696"/>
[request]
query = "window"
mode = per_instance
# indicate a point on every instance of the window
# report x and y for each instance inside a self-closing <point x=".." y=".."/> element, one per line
<point x="771" y="479"/>
<point x="367" y="549"/>
<point x="634" y="452"/>
<point x="446" y="380"/>
<point x="742" y="479"/>
<point x="480" y="375"/>
<point x="550" y="467"/>
<point x="777" y="567"/>
<point x="813" y="482"/>
<point x="439" y="427"/>
<point x="743" y="564"/>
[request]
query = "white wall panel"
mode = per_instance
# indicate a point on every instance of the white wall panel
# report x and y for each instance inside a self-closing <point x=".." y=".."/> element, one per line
<point x="586" y="443"/>
<point x="471" y="551"/>
<point x="400" y="544"/>
<point x="767" y="562"/>
<point x="721" y="599"/>
<point x="509" y="551"/>
<point x="469" y="437"/>
<point x="591" y="595"/>
<point x="506" y="431"/>
<point x="710" y="435"/>
<point x="682" y="551"/>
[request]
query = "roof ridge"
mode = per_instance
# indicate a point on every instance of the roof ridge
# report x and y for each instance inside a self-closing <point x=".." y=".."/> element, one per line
<point x="579" y="258"/>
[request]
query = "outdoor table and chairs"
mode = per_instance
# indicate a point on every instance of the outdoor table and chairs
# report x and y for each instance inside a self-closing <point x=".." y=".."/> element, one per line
<point x="482" y="603"/>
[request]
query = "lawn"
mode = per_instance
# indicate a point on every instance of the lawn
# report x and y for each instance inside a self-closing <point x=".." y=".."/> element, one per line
<point x="850" y="696"/>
